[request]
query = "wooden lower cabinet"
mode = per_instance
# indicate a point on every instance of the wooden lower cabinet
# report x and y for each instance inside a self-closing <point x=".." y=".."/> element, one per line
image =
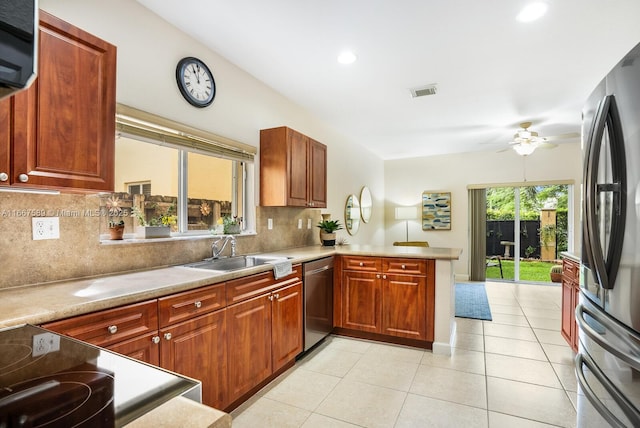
<point x="197" y="348"/>
<point x="570" y="296"/>
<point x="387" y="296"/>
<point x="143" y="348"/>
<point x="249" y="344"/>
<point x="403" y="306"/>
<point x="361" y="309"/>
<point x="265" y="333"/>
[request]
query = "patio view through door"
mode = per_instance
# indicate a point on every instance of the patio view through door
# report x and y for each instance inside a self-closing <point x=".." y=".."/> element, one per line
<point x="526" y="230"/>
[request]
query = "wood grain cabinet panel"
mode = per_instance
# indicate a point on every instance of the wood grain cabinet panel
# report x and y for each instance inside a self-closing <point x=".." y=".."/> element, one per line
<point x="293" y="169"/>
<point x="143" y="348"/>
<point x="64" y="124"/>
<point x="570" y="296"/>
<point x="5" y="140"/>
<point x="265" y="333"/>
<point x="286" y="329"/>
<point x="249" y="344"/>
<point x="388" y="296"/>
<point x="111" y="326"/>
<point x="190" y="304"/>
<point x="198" y="348"/>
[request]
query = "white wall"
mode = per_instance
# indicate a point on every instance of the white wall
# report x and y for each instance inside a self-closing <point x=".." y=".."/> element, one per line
<point x="405" y="180"/>
<point x="148" y="51"/>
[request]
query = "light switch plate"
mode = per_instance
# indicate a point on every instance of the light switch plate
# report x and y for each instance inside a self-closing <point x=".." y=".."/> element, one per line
<point x="299" y="223"/>
<point x="45" y="228"/>
<point x="269" y="223"/>
<point x="45" y="343"/>
<point x="308" y="223"/>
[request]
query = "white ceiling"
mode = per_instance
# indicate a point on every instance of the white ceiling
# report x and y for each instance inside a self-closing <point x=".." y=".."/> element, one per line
<point x="492" y="71"/>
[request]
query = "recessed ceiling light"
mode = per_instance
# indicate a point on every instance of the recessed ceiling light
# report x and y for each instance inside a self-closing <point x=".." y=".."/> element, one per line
<point x="347" y="57"/>
<point x="532" y="11"/>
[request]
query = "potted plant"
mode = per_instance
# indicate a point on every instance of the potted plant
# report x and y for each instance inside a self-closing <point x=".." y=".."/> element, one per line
<point x="328" y="231"/>
<point x="157" y="227"/>
<point x="556" y="273"/>
<point x="231" y="225"/>
<point x="116" y="229"/>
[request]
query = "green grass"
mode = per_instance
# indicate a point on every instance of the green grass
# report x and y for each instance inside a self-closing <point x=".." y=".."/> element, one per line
<point x="534" y="271"/>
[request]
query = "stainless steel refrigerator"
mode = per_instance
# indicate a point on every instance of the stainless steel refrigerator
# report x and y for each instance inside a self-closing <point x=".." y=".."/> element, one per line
<point x="608" y="313"/>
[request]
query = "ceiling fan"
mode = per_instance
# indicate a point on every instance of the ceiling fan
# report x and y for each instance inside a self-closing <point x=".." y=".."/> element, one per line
<point x="526" y="141"/>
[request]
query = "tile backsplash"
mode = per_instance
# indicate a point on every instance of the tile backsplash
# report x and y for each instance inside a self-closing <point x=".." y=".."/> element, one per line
<point x="79" y="253"/>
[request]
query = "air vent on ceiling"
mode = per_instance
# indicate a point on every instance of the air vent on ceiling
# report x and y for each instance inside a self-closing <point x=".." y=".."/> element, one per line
<point x="423" y="91"/>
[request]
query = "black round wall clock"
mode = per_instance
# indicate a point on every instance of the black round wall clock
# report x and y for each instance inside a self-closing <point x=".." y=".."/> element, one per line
<point x="195" y="82"/>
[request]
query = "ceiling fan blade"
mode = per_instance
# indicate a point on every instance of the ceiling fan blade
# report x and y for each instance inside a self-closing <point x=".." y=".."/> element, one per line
<point x="567" y="136"/>
<point x="547" y="145"/>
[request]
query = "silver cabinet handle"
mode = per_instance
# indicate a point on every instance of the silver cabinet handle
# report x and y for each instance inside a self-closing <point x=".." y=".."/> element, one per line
<point x="198" y="304"/>
<point x="361" y="264"/>
<point x="113" y="329"/>
<point x="155" y="339"/>
<point x="167" y="336"/>
<point x="403" y="267"/>
<point x="277" y="296"/>
<point x="270" y="298"/>
<point x="384" y="276"/>
<point x="4" y="176"/>
<point x="23" y="178"/>
<point x="378" y="276"/>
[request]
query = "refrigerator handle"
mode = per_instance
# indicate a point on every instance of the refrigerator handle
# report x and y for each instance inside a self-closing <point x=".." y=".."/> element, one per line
<point x="605" y="262"/>
<point x="609" y="326"/>
<point x="623" y="402"/>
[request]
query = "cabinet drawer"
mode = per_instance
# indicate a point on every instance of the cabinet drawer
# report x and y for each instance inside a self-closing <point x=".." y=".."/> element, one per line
<point x="571" y="270"/>
<point x="107" y="327"/>
<point x="251" y="286"/>
<point x="362" y="264"/>
<point x="404" y="266"/>
<point x="182" y="306"/>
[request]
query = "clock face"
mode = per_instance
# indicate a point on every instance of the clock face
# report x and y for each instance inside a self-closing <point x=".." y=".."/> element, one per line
<point x="195" y="82"/>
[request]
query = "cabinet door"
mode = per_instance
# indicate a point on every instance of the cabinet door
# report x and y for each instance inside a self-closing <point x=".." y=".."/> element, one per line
<point x="197" y="348"/>
<point x="64" y="133"/>
<point x="574" y="325"/>
<point x="5" y="140"/>
<point x="286" y="324"/>
<point x="298" y="169"/>
<point x="361" y="308"/>
<point x="317" y="174"/>
<point x="567" y="309"/>
<point x="249" y="344"/>
<point x="404" y="306"/>
<point x="144" y="348"/>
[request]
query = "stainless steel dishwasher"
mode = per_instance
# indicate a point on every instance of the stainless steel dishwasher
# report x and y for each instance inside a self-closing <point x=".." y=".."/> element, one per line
<point x="318" y="300"/>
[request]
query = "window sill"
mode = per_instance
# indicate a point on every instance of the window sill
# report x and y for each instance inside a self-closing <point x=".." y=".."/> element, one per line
<point x="130" y="238"/>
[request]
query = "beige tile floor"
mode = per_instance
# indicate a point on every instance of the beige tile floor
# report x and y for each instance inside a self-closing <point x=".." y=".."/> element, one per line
<point x="514" y="371"/>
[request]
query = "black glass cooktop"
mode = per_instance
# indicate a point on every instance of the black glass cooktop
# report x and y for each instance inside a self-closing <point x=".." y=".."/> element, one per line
<point x="50" y="380"/>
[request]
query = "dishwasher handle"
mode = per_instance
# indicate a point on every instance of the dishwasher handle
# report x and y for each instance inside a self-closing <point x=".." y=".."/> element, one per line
<point x="318" y="270"/>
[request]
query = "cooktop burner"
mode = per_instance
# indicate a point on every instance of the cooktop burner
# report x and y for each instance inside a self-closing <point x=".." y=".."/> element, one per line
<point x="54" y="381"/>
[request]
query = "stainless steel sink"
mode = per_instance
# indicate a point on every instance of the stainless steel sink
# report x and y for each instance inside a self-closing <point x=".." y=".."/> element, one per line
<point x="234" y="263"/>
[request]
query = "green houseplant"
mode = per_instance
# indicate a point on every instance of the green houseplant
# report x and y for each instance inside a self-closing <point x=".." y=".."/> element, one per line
<point x="157" y="227"/>
<point x="328" y="231"/>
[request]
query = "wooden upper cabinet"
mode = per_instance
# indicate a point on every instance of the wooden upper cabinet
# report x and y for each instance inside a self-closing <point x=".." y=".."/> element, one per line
<point x="293" y="169"/>
<point x="64" y="124"/>
<point x="5" y="140"/>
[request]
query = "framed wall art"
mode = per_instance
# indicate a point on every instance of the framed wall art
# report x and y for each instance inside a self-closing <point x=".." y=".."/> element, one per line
<point x="436" y="210"/>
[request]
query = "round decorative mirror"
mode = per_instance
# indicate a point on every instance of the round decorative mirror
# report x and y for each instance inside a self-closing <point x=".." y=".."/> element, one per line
<point x="366" y="204"/>
<point x="352" y="214"/>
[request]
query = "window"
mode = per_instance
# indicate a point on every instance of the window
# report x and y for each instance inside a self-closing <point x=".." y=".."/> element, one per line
<point x="171" y="174"/>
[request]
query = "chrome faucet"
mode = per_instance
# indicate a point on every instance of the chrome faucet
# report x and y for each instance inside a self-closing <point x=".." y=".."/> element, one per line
<point x="216" y="250"/>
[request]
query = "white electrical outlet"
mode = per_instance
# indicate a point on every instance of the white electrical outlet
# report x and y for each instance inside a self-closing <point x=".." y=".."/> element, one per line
<point x="269" y="223"/>
<point x="45" y="228"/>
<point x="45" y="343"/>
<point x="299" y="223"/>
<point x="308" y="223"/>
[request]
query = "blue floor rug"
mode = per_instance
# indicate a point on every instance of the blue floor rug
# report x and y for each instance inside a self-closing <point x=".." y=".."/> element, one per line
<point x="472" y="302"/>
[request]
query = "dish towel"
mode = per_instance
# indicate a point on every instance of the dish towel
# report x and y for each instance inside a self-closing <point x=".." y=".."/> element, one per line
<point x="281" y="268"/>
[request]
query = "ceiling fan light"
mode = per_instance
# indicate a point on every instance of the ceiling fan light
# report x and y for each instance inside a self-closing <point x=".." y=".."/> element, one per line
<point x="524" y="149"/>
<point x="524" y="134"/>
